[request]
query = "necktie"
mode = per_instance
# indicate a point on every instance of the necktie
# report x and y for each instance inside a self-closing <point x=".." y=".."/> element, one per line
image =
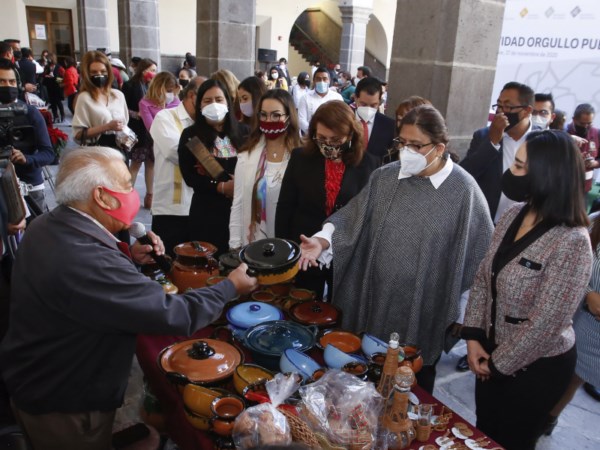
<point x="124" y="248"/>
<point x="365" y="133"/>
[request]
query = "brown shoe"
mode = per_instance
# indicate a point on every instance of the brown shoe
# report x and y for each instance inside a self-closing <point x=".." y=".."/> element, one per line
<point x="148" y="201"/>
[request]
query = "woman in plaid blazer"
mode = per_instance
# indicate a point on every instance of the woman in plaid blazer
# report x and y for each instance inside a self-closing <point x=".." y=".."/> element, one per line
<point x="517" y="325"/>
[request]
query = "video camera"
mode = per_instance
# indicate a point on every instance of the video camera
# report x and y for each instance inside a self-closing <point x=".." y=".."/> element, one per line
<point x="14" y="130"/>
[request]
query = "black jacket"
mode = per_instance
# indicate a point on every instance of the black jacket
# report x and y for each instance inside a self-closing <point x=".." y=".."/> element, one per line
<point x="301" y="206"/>
<point x="382" y="135"/>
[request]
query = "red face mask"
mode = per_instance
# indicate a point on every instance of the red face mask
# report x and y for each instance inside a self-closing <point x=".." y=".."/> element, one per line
<point x="130" y="205"/>
<point x="148" y="77"/>
<point x="272" y="130"/>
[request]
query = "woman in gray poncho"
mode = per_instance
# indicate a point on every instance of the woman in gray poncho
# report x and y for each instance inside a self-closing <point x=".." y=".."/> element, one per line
<point x="408" y="246"/>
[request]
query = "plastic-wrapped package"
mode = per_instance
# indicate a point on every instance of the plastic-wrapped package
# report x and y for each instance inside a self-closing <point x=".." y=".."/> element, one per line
<point x="263" y="424"/>
<point x="342" y="408"/>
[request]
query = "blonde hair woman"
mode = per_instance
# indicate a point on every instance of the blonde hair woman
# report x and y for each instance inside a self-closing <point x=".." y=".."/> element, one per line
<point x="162" y="94"/>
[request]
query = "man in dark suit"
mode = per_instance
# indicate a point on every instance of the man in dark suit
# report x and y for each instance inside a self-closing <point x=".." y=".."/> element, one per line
<point x="78" y="302"/>
<point x="492" y="149"/>
<point x="27" y="67"/>
<point x="283" y="67"/>
<point x="378" y="130"/>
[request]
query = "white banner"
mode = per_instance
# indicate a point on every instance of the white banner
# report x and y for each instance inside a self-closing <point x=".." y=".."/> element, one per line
<point x="552" y="46"/>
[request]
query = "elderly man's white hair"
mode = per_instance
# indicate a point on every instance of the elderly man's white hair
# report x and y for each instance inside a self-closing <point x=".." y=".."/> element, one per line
<point x="82" y="170"/>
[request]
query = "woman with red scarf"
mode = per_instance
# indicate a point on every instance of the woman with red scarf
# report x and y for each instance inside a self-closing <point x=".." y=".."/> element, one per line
<point x="321" y="177"/>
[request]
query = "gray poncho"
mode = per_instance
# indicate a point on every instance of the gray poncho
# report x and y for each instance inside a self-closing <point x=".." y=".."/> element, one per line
<point x="404" y="252"/>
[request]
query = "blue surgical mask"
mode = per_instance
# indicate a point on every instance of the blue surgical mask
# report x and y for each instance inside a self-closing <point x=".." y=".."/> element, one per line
<point x="321" y="87"/>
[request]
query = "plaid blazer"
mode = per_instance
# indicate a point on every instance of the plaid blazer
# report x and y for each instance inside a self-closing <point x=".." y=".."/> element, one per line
<point x="537" y="294"/>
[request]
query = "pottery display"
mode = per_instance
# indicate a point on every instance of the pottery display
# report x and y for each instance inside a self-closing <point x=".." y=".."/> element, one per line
<point x="199" y="361"/>
<point x="294" y="361"/>
<point x="272" y="261"/>
<point x="371" y="344"/>
<point x="249" y="374"/>
<point x="336" y="359"/>
<point x="194" y="265"/>
<point x="313" y="312"/>
<point x="267" y="341"/>
<point x="344" y="340"/>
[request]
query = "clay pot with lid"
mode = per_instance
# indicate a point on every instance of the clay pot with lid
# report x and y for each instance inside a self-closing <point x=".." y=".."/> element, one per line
<point x="272" y="261"/>
<point x="194" y="264"/>
<point x="314" y="312"/>
<point x="206" y="362"/>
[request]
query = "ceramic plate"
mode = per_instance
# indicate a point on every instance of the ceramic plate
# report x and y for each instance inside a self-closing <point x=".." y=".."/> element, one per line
<point x="456" y="432"/>
<point x="444" y="441"/>
<point x="472" y="444"/>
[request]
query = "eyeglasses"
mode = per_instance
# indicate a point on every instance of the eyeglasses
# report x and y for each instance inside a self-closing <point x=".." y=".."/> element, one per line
<point x="274" y="116"/>
<point x="508" y="108"/>
<point x="540" y="112"/>
<point x="335" y="142"/>
<point x="416" y="148"/>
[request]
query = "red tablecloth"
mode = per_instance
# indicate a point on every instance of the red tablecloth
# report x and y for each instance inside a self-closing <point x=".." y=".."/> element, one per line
<point x="189" y="438"/>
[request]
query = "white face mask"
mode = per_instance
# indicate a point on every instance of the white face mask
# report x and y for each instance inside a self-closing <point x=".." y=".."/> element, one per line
<point x="274" y="75"/>
<point x="412" y="163"/>
<point x="247" y="108"/>
<point x="169" y="97"/>
<point x="366" y="113"/>
<point x="215" y="112"/>
<point x="321" y="87"/>
<point x="540" y="122"/>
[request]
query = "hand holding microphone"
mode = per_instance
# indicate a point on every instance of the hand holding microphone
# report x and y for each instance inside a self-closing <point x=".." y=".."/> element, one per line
<point x="157" y="252"/>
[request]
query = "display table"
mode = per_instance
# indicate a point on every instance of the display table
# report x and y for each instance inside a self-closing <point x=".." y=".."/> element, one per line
<point x="189" y="438"/>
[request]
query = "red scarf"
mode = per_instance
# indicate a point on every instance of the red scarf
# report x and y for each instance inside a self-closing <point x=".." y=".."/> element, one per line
<point x="334" y="172"/>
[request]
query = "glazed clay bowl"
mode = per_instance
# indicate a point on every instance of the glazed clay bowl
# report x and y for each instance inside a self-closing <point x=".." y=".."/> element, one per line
<point x="249" y="374"/>
<point x="313" y="312"/>
<point x="372" y="344"/>
<point x="225" y="409"/>
<point x="412" y="357"/>
<point x="263" y="296"/>
<point x="198" y="399"/>
<point x="344" y="340"/>
<point x="336" y="359"/>
<point x="358" y="369"/>
<point x="295" y="361"/>
<point x="198" y="421"/>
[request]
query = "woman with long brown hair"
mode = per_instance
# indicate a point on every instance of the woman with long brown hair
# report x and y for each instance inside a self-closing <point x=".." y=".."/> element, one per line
<point x="261" y="165"/>
<point x="100" y="111"/>
<point x="321" y="177"/>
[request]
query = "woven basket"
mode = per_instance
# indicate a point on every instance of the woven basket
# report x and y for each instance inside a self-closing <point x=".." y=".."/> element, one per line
<point x="300" y="430"/>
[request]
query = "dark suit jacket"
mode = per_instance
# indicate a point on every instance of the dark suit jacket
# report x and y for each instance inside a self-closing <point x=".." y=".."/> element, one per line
<point x="382" y="135"/>
<point x="27" y="71"/>
<point x="484" y="163"/>
<point x="78" y="305"/>
<point x="301" y="205"/>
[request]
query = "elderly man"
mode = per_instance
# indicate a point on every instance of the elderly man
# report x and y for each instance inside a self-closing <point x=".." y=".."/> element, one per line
<point x="78" y="302"/>
<point x="172" y="197"/>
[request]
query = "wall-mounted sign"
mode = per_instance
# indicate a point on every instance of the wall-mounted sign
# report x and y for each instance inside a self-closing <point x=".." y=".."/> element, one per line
<point x="40" y="31"/>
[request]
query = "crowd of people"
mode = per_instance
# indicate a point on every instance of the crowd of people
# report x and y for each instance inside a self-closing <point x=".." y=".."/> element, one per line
<point x="394" y="229"/>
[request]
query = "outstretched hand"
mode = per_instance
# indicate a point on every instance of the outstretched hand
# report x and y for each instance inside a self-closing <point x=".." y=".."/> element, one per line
<point x="311" y="250"/>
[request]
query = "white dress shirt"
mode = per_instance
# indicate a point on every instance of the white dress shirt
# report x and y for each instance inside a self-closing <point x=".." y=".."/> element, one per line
<point x="172" y="197"/>
<point x="309" y="104"/>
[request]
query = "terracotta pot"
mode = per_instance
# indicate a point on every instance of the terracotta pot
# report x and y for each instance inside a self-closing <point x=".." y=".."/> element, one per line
<point x="313" y="312"/>
<point x="198" y="399"/>
<point x="199" y="361"/>
<point x="263" y="296"/>
<point x="194" y="264"/>
<point x="272" y="261"/>
<point x="412" y="357"/>
<point x="358" y="369"/>
<point x="344" y="340"/>
<point x="225" y="409"/>
<point x="280" y="290"/>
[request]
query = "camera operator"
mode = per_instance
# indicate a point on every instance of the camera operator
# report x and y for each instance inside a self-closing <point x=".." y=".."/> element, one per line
<point x="25" y="131"/>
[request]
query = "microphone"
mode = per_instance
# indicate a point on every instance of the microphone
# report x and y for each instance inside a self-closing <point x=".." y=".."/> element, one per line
<point x="138" y="231"/>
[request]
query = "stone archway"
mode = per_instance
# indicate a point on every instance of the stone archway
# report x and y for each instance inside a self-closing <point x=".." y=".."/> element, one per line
<point x="376" y="48"/>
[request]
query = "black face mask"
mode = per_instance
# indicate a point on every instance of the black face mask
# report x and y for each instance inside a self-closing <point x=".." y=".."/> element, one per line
<point x="581" y="131"/>
<point x="513" y="119"/>
<point x="99" y="80"/>
<point x="516" y="188"/>
<point x="184" y="83"/>
<point x="8" y="94"/>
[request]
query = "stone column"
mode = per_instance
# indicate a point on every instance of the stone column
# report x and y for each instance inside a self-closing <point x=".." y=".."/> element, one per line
<point x="93" y="24"/>
<point x="138" y="30"/>
<point x="355" y="17"/>
<point x="225" y="36"/>
<point x="447" y="52"/>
